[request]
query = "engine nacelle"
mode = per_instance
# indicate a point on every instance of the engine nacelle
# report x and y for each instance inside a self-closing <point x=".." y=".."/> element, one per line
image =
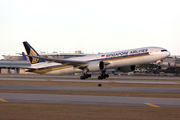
<point x="127" y="68"/>
<point x="96" y="66"/>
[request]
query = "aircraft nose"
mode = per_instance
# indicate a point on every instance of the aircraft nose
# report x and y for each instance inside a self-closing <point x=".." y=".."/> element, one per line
<point x="168" y="53"/>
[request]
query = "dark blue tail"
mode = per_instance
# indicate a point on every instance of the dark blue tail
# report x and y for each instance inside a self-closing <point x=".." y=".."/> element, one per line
<point x="30" y="51"/>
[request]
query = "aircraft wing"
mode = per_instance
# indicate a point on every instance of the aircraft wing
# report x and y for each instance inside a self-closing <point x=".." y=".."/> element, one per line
<point x="23" y="67"/>
<point x="62" y="61"/>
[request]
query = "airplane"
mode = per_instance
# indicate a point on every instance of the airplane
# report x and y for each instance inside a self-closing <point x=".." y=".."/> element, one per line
<point x="124" y="61"/>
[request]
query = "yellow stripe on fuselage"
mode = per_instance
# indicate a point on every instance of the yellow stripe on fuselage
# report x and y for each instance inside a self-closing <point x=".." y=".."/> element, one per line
<point x="126" y="57"/>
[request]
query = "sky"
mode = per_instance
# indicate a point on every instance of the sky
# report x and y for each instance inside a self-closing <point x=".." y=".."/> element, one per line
<point x="89" y="25"/>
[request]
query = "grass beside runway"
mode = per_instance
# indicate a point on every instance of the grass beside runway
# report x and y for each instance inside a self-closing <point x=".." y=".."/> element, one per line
<point x="89" y="84"/>
<point x="33" y="111"/>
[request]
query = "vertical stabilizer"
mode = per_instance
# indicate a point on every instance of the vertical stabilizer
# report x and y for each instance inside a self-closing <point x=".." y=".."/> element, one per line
<point x="31" y="51"/>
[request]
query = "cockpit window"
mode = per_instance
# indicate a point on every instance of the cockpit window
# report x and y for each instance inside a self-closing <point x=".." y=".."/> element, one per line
<point x="163" y="50"/>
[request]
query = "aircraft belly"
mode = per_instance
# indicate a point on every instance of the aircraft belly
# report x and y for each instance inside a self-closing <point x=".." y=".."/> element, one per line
<point x="65" y="71"/>
<point x="119" y="63"/>
<point x="131" y="61"/>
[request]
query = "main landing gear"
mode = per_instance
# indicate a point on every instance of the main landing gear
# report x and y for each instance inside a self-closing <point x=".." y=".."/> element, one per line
<point x="103" y="75"/>
<point x="85" y="76"/>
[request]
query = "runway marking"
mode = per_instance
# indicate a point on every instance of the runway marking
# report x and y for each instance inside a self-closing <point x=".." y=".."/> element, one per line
<point x="48" y="80"/>
<point x="3" y="100"/>
<point x="152" y="105"/>
<point x="113" y="81"/>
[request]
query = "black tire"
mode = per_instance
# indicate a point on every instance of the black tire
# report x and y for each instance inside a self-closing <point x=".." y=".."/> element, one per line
<point x="82" y="78"/>
<point x="106" y="75"/>
<point x="100" y="77"/>
<point x="86" y="76"/>
<point x="89" y="75"/>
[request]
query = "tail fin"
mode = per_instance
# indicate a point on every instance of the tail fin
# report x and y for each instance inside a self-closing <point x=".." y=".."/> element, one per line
<point x="30" y="51"/>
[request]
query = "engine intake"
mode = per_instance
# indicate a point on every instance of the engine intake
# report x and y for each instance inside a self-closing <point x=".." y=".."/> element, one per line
<point x="96" y="66"/>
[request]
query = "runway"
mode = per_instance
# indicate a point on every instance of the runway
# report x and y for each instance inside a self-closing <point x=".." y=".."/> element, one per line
<point x="93" y="76"/>
<point x="90" y="99"/>
<point x="94" y="81"/>
<point x="88" y="88"/>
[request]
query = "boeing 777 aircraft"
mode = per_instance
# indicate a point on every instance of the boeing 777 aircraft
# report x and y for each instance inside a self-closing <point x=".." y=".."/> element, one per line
<point x="123" y="61"/>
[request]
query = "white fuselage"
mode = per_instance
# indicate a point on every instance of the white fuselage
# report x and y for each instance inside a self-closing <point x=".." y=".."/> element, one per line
<point x="114" y="59"/>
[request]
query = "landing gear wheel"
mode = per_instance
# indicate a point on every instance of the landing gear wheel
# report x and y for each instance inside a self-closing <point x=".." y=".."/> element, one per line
<point x="100" y="77"/>
<point x="86" y="76"/>
<point x="103" y="76"/>
<point x="82" y="77"/>
<point x="89" y="75"/>
<point x="106" y="75"/>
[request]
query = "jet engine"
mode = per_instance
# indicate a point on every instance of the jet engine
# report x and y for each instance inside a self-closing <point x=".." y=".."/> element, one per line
<point x="127" y="68"/>
<point x="96" y="66"/>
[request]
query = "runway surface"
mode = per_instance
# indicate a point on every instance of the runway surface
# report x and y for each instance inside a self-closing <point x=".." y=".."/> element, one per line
<point x="88" y="88"/>
<point x="89" y="99"/>
<point x="96" y="81"/>
<point x="93" y="76"/>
